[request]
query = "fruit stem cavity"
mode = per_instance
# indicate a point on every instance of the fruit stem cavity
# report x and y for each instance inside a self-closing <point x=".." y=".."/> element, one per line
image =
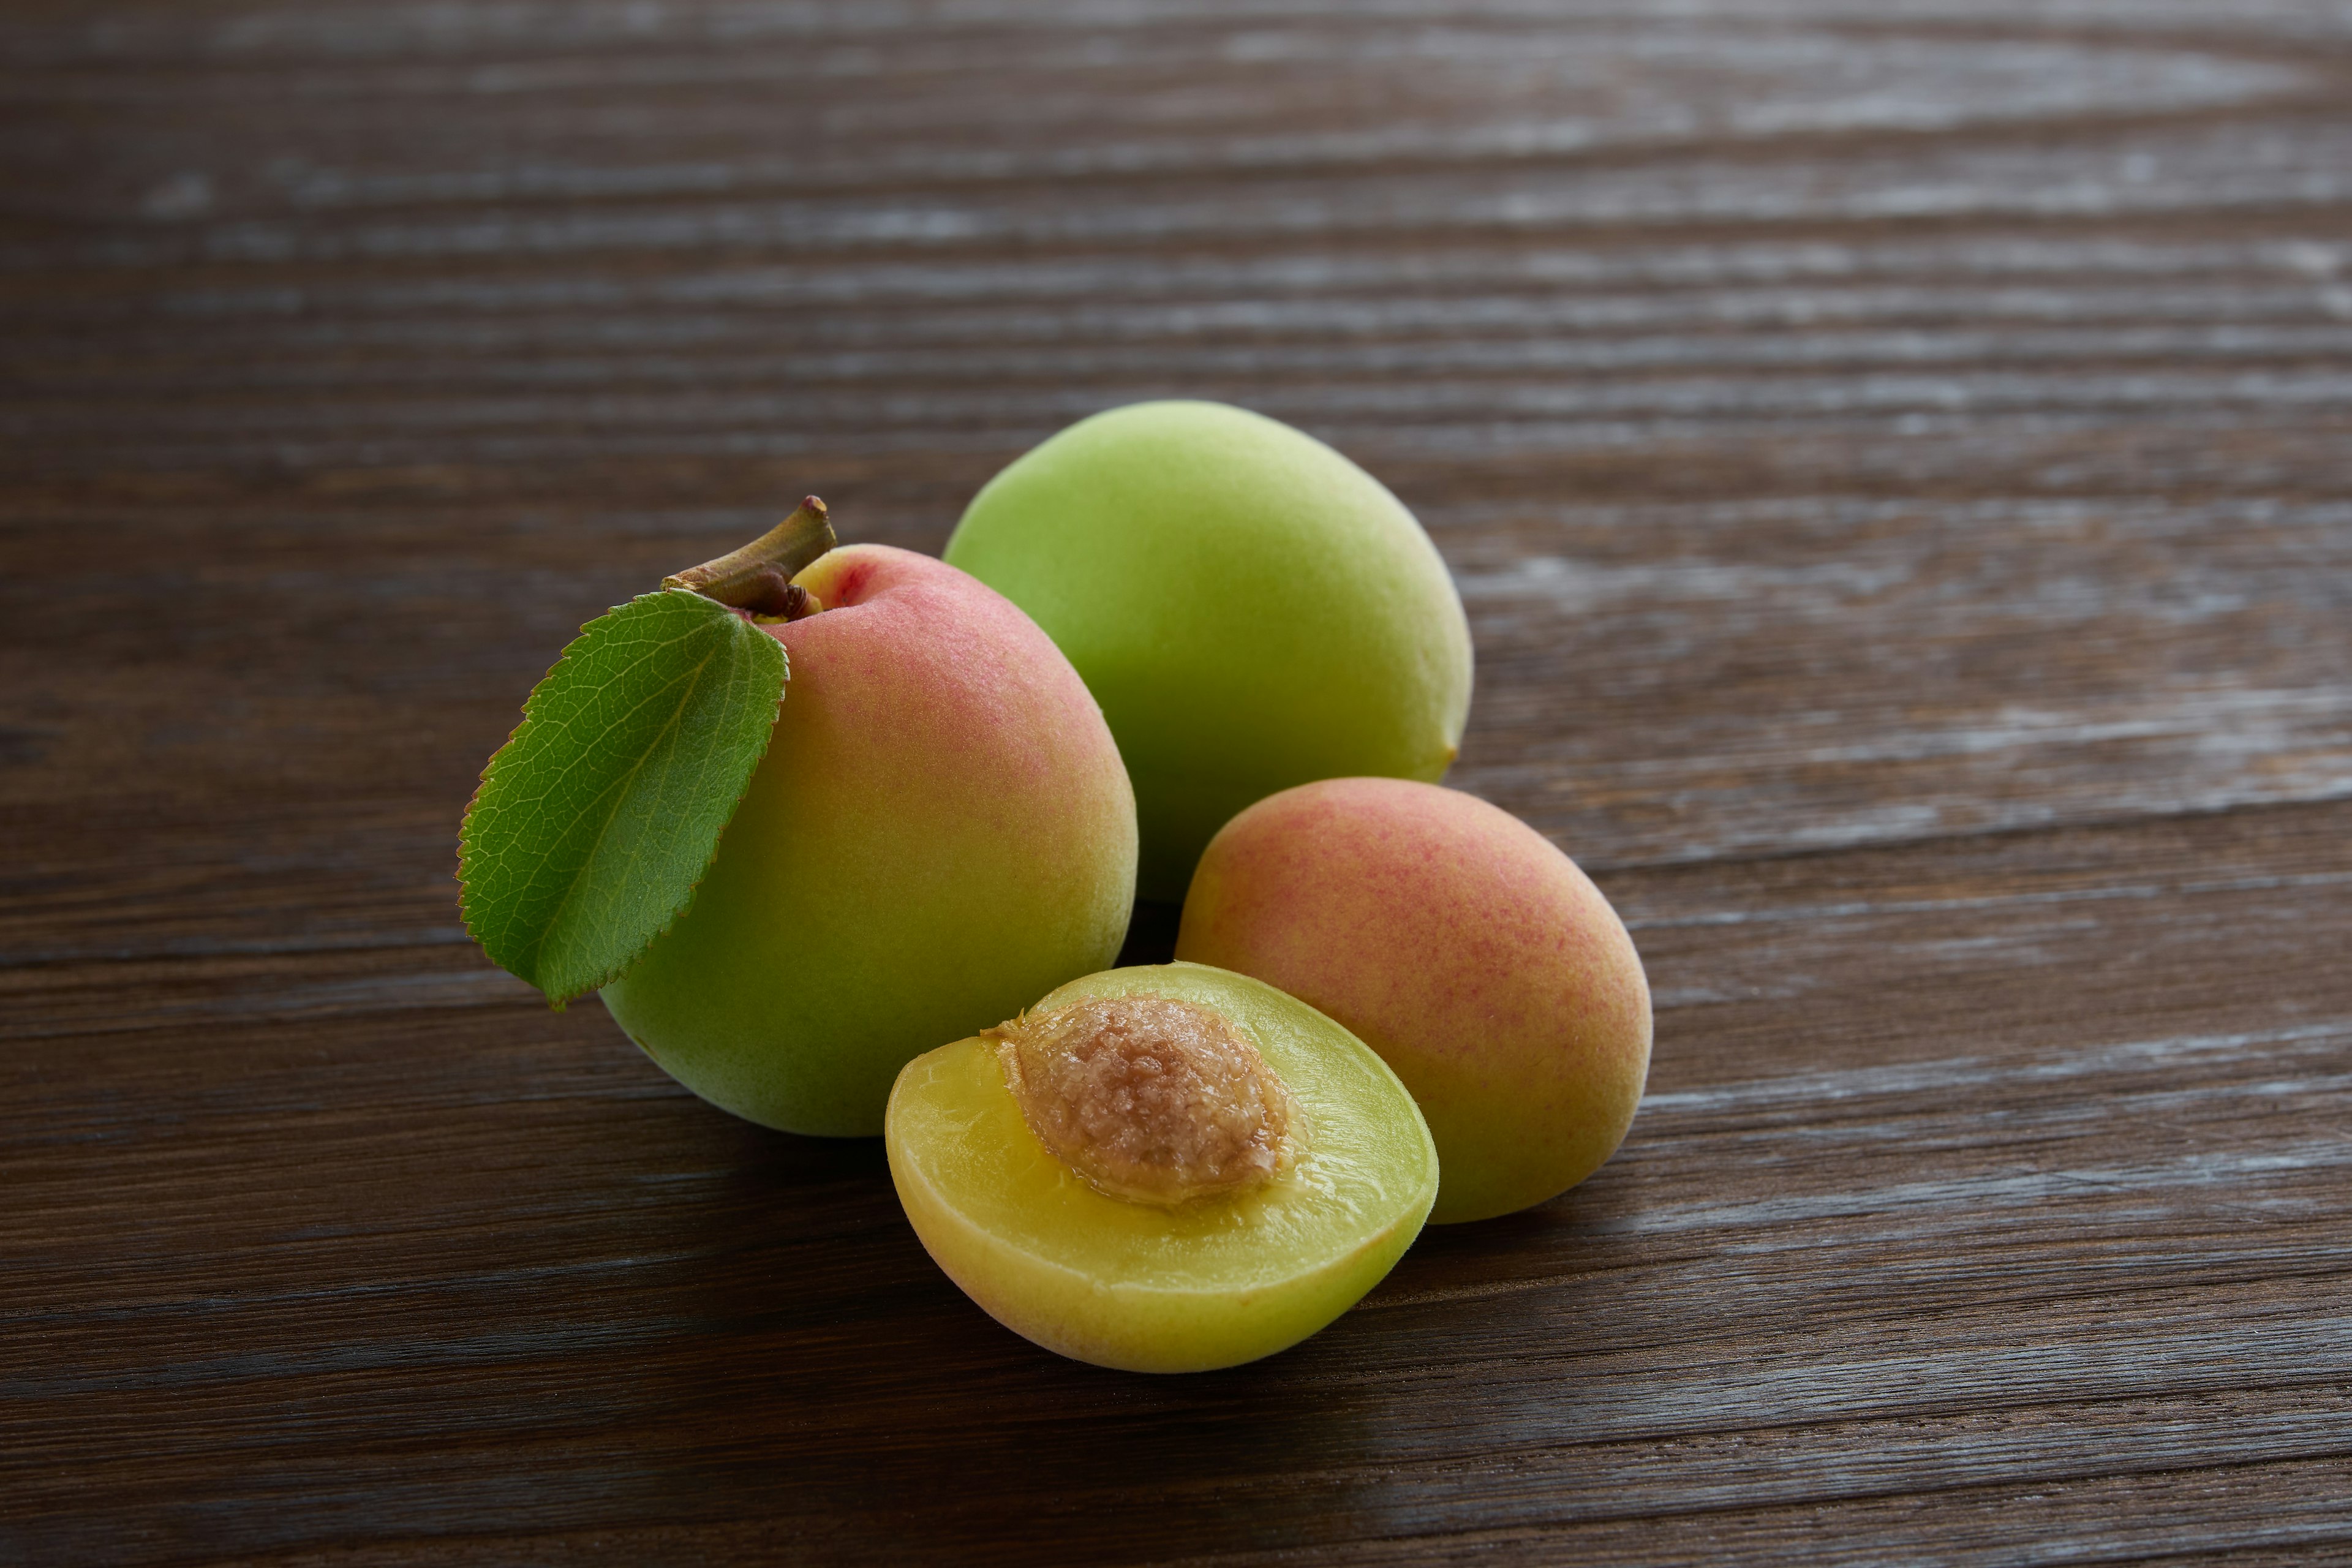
<point x="758" y="578"/>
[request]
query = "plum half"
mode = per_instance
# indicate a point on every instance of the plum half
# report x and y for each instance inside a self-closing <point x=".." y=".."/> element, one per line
<point x="1161" y="1169"/>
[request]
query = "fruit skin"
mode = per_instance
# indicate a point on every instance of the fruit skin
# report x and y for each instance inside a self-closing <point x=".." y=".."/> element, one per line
<point x="1458" y="943"/>
<point x="941" y="830"/>
<point x="1252" y="610"/>
<point x="1145" y="1288"/>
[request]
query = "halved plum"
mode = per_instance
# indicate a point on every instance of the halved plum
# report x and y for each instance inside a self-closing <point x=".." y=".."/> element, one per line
<point x="1161" y="1169"/>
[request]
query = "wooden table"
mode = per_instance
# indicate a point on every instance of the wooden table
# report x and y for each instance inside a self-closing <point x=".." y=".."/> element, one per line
<point x="1898" y="458"/>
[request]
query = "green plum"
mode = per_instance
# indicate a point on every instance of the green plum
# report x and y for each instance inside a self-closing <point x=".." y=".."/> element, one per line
<point x="940" y="831"/>
<point x="1252" y="610"/>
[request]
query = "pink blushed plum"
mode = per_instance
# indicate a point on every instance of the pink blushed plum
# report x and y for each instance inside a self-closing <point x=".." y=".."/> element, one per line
<point x="1460" y="944"/>
<point x="939" y="833"/>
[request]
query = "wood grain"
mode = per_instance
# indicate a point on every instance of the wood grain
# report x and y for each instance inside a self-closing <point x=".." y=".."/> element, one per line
<point x="1898" y="461"/>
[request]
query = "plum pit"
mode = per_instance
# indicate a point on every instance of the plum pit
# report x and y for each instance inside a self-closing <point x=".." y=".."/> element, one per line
<point x="1148" y="1099"/>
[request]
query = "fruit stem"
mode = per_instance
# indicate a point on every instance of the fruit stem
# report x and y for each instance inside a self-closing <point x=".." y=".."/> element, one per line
<point x="758" y="577"/>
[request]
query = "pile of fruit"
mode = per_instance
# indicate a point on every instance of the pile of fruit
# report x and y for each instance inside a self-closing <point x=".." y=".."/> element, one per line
<point x="805" y="813"/>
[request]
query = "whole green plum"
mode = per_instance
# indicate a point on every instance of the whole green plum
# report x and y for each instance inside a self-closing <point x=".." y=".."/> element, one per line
<point x="940" y="831"/>
<point x="1252" y="610"/>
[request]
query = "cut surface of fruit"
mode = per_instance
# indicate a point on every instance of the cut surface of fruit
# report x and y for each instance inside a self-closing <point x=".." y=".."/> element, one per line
<point x="1223" y="1277"/>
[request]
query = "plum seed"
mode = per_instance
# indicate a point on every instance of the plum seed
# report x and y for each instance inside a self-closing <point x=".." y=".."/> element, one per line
<point x="1148" y="1099"/>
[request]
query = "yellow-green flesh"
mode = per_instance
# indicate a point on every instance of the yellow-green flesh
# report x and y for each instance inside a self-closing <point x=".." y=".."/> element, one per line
<point x="1208" y="1284"/>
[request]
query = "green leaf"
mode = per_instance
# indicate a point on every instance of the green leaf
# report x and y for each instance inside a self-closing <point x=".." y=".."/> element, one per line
<point x="597" y="818"/>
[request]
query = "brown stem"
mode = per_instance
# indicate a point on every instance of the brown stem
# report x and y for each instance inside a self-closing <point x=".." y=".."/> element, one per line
<point x="758" y="577"/>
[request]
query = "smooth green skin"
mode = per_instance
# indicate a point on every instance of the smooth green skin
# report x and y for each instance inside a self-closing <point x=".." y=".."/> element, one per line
<point x="941" y="830"/>
<point x="1211" y="1284"/>
<point x="1463" y="946"/>
<point x="1252" y="610"/>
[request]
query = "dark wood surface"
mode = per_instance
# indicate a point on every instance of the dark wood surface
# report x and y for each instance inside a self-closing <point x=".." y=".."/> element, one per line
<point x="1898" y="459"/>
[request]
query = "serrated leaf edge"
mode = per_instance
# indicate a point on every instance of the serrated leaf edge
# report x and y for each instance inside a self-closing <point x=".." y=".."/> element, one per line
<point x="621" y="783"/>
<point x="466" y="847"/>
